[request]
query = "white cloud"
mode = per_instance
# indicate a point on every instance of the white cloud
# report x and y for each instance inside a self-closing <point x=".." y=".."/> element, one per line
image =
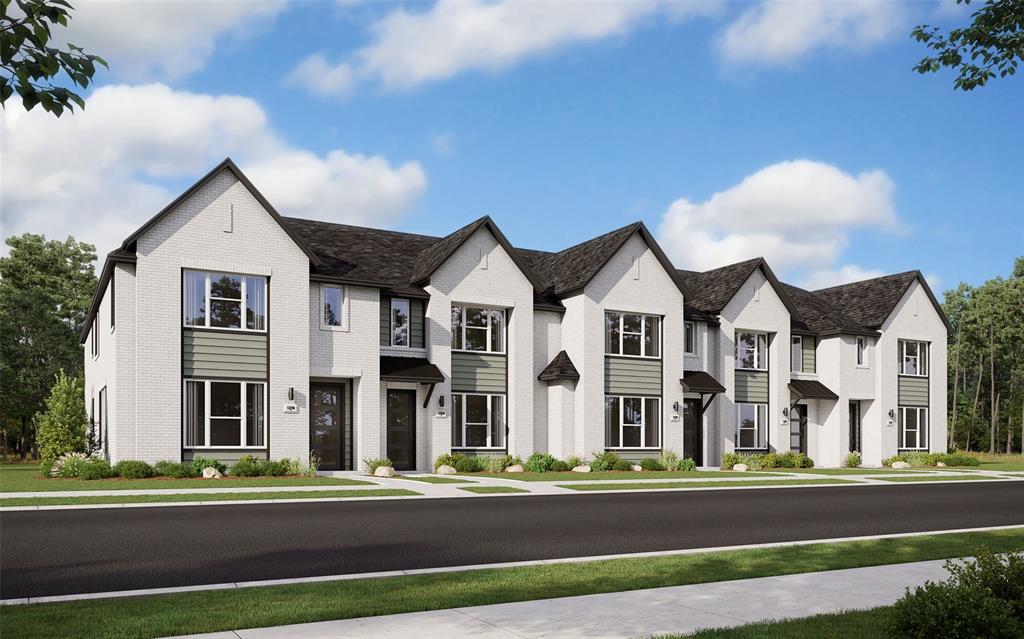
<point x="781" y="31"/>
<point x="102" y="173"/>
<point x="161" y="38"/>
<point x="320" y="77"/>
<point x="797" y="214"/>
<point x="842" y="275"/>
<point x="411" y="48"/>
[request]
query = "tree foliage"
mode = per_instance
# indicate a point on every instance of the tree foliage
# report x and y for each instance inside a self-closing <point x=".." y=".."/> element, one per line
<point x="45" y="290"/>
<point x="30" y="66"/>
<point x="992" y="45"/>
<point x="63" y="424"/>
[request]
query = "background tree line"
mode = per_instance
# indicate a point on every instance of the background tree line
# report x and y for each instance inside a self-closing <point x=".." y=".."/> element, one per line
<point x="986" y="364"/>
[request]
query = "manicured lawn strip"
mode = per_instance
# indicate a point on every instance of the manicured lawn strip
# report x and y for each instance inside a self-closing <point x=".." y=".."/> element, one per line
<point x="940" y="478"/>
<point x="487" y="490"/>
<point x="191" y="497"/>
<point x="998" y="462"/>
<point x="854" y="624"/>
<point x="846" y="471"/>
<point x="218" y="610"/>
<point x="621" y="474"/>
<point x="704" y="484"/>
<point x="436" y="479"/>
<point x="25" y="478"/>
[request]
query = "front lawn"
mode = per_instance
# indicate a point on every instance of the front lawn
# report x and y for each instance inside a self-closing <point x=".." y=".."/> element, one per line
<point x="26" y="478"/>
<point x="436" y="479"/>
<point x="706" y="484"/>
<point x="942" y="478"/>
<point x="229" y="609"/>
<point x="623" y="474"/>
<point x="489" y="490"/>
<point x="999" y="462"/>
<point x="854" y="624"/>
<point x="194" y="497"/>
<point x="848" y="471"/>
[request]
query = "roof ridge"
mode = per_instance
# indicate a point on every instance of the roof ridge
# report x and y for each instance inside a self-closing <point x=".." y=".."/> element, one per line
<point x="632" y="225"/>
<point x="915" y="272"/>
<point x="362" y="227"/>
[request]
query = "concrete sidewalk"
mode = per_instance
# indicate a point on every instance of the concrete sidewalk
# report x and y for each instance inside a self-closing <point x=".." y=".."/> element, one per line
<point x="637" y="613"/>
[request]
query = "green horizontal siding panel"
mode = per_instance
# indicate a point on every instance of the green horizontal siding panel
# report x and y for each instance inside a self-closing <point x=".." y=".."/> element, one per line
<point x="227" y="455"/>
<point x="810" y="361"/>
<point x="752" y="387"/>
<point x="417" y="333"/>
<point x="479" y="373"/>
<point x="385" y="321"/>
<point x="224" y="354"/>
<point x="632" y="376"/>
<point x="912" y="391"/>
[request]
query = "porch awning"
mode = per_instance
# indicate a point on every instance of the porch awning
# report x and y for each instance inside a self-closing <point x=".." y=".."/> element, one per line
<point x="700" y="382"/>
<point x="810" y="389"/>
<point x="410" y="369"/>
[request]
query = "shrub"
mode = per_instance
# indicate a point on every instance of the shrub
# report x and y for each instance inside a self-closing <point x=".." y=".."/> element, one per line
<point x="650" y="463"/>
<point x="199" y="463"/>
<point x="774" y="460"/>
<point x="373" y="464"/>
<point x="469" y="464"/>
<point x="314" y="464"/>
<point x="132" y="469"/>
<point x="559" y="466"/>
<point x="669" y="459"/>
<point x="447" y="459"/>
<point x="573" y="461"/>
<point x="293" y="466"/>
<point x="176" y="470"/>
<point x="957" y="458"/>
<point x="95" y="468"/>
<point x="62" y="426"/>
<point x="853" y="460"/>
<point x="68" y="465"/>
<point x="272" y="468"/>
<point x="603" y="461"/>
<point x="687" y="465"/>
<point x="621" y="464"/>
<point x="539" y="463"/>
<point x="729" y="460"/>
<point x="498" y="464"/>
<point x="246" y="466"/>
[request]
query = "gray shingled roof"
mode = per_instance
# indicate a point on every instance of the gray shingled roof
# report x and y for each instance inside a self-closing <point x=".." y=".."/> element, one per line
<point x="561" y="367"/>
<point x="570" y="269"/>
<point x="870" y="302"/>
<point x="819" y="316"/>
<point x="713" y="289"/>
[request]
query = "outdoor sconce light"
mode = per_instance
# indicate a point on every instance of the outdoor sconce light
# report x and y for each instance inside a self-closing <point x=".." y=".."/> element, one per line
<point x="440" y="401"/>
<point x="785" y="412"/>
<point x="675" y="406"/>
<point x="291" y="394"/>
<point x="892" y="417"/>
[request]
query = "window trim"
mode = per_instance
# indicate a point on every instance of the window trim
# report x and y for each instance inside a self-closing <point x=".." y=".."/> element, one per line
<point x="408" y="322"/>
<point x="861" y="351"/>
<point x="94" y="340"/>
<point x="797" y="365"/>
<point x="922" y="428"/>
<point x="462" y="329"/>
<point x="242" y="302"/>
<point x="901" y="348"/>
<point x="342" y="312"/>
<point x="757" y="362"/>
<point x="643" y="334"/>
<point x="490" y="415"/>
<point x="207" y="403"/>
<point x="690" y="327"/>
<point x="757" y="425"/>
<point x="643" y="421"/>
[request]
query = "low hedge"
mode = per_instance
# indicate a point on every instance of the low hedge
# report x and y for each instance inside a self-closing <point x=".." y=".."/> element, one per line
<point x="762" y="461"/>
<point x="604" y="461"/>
<point x="174" y="469"/>
<point x="133" y="469"/>
<point x="539" y="463"/>
<point x="622" y="464"/>
<point x="922" y="458"/>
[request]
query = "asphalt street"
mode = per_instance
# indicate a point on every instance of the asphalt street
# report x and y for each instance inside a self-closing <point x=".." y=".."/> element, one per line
<point x="79" y="551"/>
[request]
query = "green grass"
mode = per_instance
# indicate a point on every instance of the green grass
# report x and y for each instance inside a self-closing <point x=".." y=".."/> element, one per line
<point x="705" y="484"/>
<point x="854" y="624"/>
<point x="26" y="478"/>
<point x="940" y="478"/>
<point x="998" y="462"/>
<point x="487" y="490"/>
<point x="621" y="475"/>
<point x="192" y="497"/>
<point x="844" y="471"/>
<point x="435" y="479"/>
<point x="218" y="610"/>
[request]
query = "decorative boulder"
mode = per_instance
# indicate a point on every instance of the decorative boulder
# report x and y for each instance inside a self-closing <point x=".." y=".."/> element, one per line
<point x="384" y="471"/>
<point x="211" y="473"/>
<point x="445" y="469"/>
<point x="582" y="468"/>
<point x="899" y="465"/>
<point x="637" y="468"/>
<point x="740" y="468"/>
<point x="940" y="464"/>
<point x="514" y="468"/>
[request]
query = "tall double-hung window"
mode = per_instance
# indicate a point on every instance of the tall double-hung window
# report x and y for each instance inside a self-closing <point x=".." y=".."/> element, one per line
<point x="476" y="328"/>
<point x="225" y="301"/>
<point x="913" y="358"/>
<point x="632" y="334"/>
<point x="632" y="422"/>
<point x="225" y="414"/>
<point x="913" y="428"/>
<point x="751" y="350"/>
<point x="752" y="426"/>
<point x="478" y="420"/>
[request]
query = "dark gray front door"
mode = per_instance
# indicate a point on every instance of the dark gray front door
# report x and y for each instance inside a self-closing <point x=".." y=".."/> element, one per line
<point x="325" y="425"/>
<point x="402" y="429"/>
<point x="798" y="429"/>
<point x="693" y="431"/>
<point x="854" y="427"/>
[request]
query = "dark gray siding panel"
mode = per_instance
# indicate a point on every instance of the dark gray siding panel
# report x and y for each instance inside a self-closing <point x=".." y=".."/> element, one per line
<point x="913" y="391"/>
<point x="809" y="357"/>
<point x="479" y="373"/>
<point x="752" y="386"/>
<point x="227" y="455"/>
<point x="632" y="376"/>
<point x="224" y="354"/>
<point x="638" y="455"/>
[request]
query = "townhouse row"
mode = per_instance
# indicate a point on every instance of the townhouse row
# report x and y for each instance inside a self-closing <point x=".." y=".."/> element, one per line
<point x="221" y="328"/>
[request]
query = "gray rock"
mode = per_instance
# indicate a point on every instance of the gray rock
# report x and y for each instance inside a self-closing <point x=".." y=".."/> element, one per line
<point x="637" y="468"/>
<point x="514" y="468"/>
<point x="211" y="473"/>
<point x="445" y="469"/>
<point x="740" y="468"/>
<point x="582" y="468"/>
<point x="899" y="465"/>
<point x="384" y="471"/>
<point x="940" y="464"/>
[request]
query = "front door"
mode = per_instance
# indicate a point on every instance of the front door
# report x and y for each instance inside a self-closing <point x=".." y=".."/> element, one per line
<point x="693" y="431"/>
<point x="854" y="427"/>
<point x="798" y="429"/>
<point x="402" y="429"/>
<point x="325" y="425"/>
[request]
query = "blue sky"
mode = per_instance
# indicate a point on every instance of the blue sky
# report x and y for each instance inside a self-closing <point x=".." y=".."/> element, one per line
<point x="794" y="131"/>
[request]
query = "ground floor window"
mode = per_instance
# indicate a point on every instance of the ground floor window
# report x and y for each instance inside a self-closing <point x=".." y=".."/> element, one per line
<point x="913" y="428"/>
<point x="225" y="414"/>
<point x="752" y="426"/>
<point x="478" y="421"/>
<point x="632" y="422"/>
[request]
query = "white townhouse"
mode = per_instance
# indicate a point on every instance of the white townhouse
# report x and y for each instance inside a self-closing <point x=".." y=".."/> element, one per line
<point x="221" y="328"/>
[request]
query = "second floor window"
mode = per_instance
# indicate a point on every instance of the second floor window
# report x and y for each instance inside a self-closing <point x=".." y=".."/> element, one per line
<point x="913" y="358"/>
<point x="632" y="334"/>
<point x="797" y="354"/>
<point x="862" y="351"/>
<point x="225" y="300"/>
<point x="332" y="300"/>
<point x="689" y="338"/>
<point x="399" y="322"/>
<point x="752" y="350"/>
<point x="478" y="329"/>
